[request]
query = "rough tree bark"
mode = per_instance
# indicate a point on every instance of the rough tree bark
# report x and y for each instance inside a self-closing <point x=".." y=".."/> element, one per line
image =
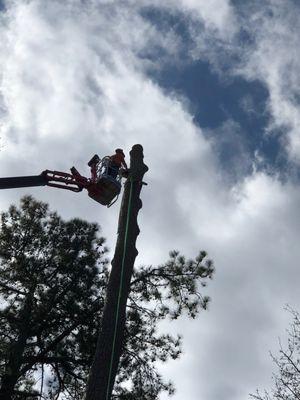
<point x="109" y="346"/>
<point x="14" y="362"/>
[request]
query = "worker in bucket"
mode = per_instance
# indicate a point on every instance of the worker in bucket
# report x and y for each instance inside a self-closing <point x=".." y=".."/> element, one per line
<point x="117" y="161"/>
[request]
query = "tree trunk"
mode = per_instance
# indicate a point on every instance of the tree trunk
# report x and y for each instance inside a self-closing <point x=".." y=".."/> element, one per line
<point x="12" y="370"/>
<point x="109" y="346"/>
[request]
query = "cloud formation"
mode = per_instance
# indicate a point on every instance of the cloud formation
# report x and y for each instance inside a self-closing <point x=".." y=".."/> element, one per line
<point x="275" y="60"/>
<point x="74" y="82"/>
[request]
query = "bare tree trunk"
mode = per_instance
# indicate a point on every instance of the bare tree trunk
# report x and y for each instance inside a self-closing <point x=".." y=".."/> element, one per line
<point x="12" y="370"/>
<point x="109" y="346"/>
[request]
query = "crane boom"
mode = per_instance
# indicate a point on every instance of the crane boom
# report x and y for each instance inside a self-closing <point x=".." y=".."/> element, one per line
<point x="23" y="181"/>
<point x="104" y="189"/>
<point x="61" y="180"/>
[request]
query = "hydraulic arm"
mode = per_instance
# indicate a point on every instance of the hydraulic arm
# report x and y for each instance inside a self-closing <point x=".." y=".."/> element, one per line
<point x="23" y="181"/>
<point x="101" y="188"/>
<point x="61" y="180"/>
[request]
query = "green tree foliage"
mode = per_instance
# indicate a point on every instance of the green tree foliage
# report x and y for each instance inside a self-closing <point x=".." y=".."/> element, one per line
<point x="286" y="381"/>
<point x="52" y="279"/>
<point x="53" y="276"/>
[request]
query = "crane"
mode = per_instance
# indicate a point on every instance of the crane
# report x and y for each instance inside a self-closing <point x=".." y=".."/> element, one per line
<point x="101" y="187"/>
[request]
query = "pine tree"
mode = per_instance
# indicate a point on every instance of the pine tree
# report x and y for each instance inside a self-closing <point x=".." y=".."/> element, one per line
<point x="53" y="278"/>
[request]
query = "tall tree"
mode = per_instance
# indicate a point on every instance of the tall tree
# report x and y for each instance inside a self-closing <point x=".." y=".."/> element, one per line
<point x="53" y="279"/>
<point x="287" y="378"/>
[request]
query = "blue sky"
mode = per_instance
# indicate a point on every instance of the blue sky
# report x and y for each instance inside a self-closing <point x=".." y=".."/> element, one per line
<point x="215" y="98"/>
<point x="211" y="91"/>
<point x="214" y="102"/>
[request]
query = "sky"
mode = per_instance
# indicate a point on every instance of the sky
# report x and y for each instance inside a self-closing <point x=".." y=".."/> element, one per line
<point x="211" y="91"/>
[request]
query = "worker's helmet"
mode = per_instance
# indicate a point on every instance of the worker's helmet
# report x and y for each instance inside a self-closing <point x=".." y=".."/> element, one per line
<point x="120" y="151"/>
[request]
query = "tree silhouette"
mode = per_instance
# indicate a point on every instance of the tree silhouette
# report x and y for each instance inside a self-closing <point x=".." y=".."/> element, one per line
<point x="53" y="277"/>
<point x="287" y="378"/>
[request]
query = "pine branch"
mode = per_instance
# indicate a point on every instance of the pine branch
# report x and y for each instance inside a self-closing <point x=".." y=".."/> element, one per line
<point x="12" y="289"/>
<point x="26" y="394"/>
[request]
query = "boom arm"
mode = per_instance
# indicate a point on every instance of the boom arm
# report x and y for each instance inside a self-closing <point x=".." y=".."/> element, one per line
<point x="102" y="188"/>
<point x="61" y="180"/>
<point x="23" y="181"/>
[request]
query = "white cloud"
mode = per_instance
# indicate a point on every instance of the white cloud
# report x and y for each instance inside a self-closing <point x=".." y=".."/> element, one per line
<point x="274" y="59"/>
<point x="254" y="241"/>
<point x="72" y="89"/>
<point x="216" y="14"/>
<point x="269" y="55"/>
